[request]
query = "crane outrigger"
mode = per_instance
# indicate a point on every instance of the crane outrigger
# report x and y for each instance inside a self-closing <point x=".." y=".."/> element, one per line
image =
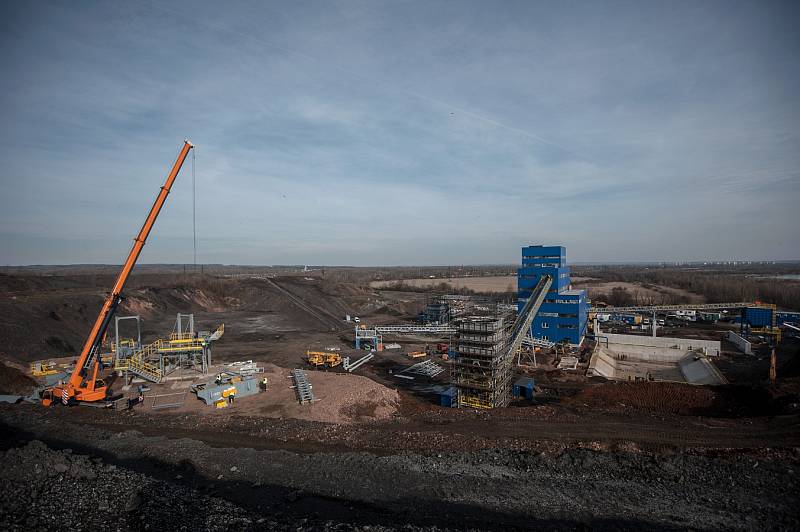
<point x="83" y="384"/>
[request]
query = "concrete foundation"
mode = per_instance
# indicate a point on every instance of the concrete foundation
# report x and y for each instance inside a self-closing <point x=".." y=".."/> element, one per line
<point x="643" y="358"/>
<point x="710" y="347"/>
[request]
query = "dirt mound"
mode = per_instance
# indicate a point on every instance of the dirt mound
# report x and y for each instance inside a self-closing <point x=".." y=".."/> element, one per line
<point x="341" y="398"/>
<point x="681" y="399"/>
<point x="661" y="397"/>
<point x="344" y="289"/>
<point x="389" y="311"/>
<point x="14" y="382"/>
<point x="152" y="301"/>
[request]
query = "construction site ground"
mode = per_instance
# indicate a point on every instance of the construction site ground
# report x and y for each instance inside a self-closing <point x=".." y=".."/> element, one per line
<point x="376" y="450"/>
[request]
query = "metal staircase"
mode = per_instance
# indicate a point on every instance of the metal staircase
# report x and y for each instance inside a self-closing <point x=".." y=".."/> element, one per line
<point x="304" y="392"/>
<point x="138" y="365"/>
<point x="145" y="370"/>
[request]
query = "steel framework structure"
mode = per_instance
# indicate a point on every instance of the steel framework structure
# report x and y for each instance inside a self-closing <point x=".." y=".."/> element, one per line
<point x="482" y="372"/>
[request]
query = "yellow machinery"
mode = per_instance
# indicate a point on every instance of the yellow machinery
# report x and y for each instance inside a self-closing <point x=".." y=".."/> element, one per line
<point x="41" y="369"/>
<point x="771" y="331"/>
<point x="315" y="359"/>
<point x="477" y="401"/>
<point x="144" y="361"/>
<point x="323" y="359"/>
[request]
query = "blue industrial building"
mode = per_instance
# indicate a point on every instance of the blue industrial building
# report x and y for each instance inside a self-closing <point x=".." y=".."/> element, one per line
<point x="564" y="313"/>
<point x="767" y="317"/>
<point x="782" y="317"/>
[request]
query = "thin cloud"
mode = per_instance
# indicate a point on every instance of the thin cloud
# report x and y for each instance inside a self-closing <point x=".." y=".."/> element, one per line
<point x="400" y="133"/>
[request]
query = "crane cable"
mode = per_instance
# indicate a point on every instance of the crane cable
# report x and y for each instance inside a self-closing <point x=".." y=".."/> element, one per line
<point x="194" y="214"/>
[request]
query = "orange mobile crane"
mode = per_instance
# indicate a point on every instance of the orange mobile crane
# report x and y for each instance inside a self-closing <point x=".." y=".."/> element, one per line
<point x="83" y="384"/>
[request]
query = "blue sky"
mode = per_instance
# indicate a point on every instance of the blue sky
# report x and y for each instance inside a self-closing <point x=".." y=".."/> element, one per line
<point x="380" y="133"/>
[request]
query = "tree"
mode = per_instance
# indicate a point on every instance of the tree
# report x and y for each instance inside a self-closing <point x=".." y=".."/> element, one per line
<point x="620" y="297"/>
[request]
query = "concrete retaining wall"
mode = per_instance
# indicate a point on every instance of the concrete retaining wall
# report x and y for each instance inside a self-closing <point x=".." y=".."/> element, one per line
<point x="602" y="364"/>
<point x="682" y="344"/>
<point x="643" y="353"/>
<point x="689" y="368"/>
<point x="700" y="370"/>
<point x="740" y="343"/>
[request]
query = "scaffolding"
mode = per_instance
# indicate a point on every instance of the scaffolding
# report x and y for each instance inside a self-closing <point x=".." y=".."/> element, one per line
<point x="437" y="312"/>
<point x="371" y="337"/>
<point x="482" y="371"/>
<point x="487" y="346"/>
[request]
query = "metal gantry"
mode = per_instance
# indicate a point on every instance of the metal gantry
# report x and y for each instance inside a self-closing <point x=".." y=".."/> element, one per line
<point x="370" y="335"/>
<point x="527" y="357"/>
<point x="683" y="306"/>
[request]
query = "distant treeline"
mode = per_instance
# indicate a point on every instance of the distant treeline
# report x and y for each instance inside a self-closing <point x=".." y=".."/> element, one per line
<point x="446" y="288"/>
<point x="389" y="273"/>
<point x="622" y="297"/>
<point x="717" y="284"/>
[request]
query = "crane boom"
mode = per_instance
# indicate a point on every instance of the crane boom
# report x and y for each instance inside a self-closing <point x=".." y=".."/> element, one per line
<point x="83" y="384"/>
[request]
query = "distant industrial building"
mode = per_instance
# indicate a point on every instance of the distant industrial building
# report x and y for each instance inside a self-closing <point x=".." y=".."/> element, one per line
<point x="437" y="312"/>
<point x="564" y="313"/>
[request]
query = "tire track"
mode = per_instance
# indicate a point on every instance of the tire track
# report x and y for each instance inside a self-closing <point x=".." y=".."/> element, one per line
<point x="320" y="315"/>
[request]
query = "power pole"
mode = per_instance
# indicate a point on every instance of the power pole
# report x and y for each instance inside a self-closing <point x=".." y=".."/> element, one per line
<point x="773" y="370"/>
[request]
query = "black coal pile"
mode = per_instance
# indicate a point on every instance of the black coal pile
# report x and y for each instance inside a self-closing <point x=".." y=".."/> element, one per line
<point x="59" y="490"/>
<point x="46" y="489"/>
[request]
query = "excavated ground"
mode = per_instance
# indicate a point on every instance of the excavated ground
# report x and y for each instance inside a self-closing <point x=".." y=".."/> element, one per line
<point x="586" y="455"/>
<point x="129" y="479"/>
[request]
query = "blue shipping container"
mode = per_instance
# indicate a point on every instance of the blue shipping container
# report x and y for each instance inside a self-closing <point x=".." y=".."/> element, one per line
<point x="758" y="317"/>
<point x="523" y="388"/>
<point x="630" y="319"/>
<point x="784" y="317"/>
<point x="448" y="398"/>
